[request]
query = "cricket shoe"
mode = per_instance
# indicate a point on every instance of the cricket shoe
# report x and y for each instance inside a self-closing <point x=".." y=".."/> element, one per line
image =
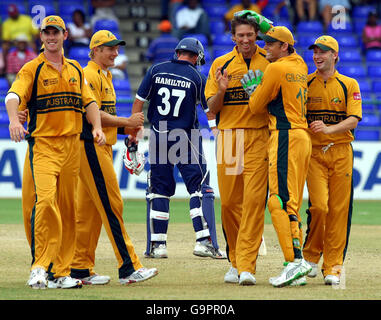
<point x="231" y="276"/>
<point x="206" y="249"/>
<point x="331" y="280"/>
<point x="299" y="282"/>
<point x="140" y="275"/>
<point x="66" y="282"/>
<point x="95" y="279"/>
<point x="246" y="279"/>
<point x="158" y="251"/>
<point x="292" y="271"/>
<point x="314" y="271"/>
<point x="38" y="279"/>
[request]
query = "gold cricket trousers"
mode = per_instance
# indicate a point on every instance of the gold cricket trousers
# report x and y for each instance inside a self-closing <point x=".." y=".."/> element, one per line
<point x="100" y="201"/>
<point x="54" y="163"/>
<point x="242" y="167"/>
<point x="330" y="189"/>
<point x="289" y="156"/>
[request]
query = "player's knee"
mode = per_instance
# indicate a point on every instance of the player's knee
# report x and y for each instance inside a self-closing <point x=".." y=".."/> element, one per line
<point x="275" y="203"/>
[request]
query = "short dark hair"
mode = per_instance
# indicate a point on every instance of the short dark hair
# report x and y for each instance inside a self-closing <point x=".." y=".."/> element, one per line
<point x="236" y="21"/>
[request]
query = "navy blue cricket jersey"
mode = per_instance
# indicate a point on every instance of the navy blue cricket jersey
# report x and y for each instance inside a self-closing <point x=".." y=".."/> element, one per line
<point x="173" y="89"/>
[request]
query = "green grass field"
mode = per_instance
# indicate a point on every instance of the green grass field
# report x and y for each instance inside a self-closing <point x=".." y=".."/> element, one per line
<point x="364" y="212"/>
<point x="188" y="278"/>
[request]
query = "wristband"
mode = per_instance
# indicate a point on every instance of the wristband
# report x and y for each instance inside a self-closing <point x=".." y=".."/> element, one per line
<point x="212" y="123"/>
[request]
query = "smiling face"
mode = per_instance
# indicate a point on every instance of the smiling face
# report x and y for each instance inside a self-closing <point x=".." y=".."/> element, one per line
<point x="273" y="50"/>
<point x="324" y="59"/>
<point x="244" y="37"/>
<point x="105" y="56"/>
<point x="53" y="39"/>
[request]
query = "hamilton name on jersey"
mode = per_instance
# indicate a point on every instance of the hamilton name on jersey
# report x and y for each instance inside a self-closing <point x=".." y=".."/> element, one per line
<point x="173" y="82"/>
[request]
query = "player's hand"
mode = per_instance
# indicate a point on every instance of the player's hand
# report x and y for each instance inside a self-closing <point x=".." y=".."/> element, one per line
<point x="136" y="120"/>
<point x="222" y="78"/>
<point x="215" y="131"/>
<point x="319" y="126"/>
<point x="23" y="116"/>
<point x="251" y="80"/>
<point x="17" y="131"/>
<point x="99" y="137"/>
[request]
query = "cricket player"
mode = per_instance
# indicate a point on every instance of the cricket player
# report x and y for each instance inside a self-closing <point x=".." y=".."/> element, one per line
<point x="174" y="89"/>
<point x="283" y="93"/>
<point x="99" y="198"/>
<point x="53" y="90"/>
<point x="333" y="111"/>
<point x="242" y="158"/>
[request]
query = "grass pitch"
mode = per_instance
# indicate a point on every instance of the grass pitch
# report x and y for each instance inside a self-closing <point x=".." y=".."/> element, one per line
<point x="186" y="277"/>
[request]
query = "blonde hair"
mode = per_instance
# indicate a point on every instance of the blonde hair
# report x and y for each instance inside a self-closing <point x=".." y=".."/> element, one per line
<point x="92" y="53"/>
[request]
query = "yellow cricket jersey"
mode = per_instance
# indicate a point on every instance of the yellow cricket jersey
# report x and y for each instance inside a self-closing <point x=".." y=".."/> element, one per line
<point x="102" y="88"/>
<point x="55" y="100"/>
<point x="235" y="112"/>
<point x="332" y="101"/>
<point x="283" y="93"/>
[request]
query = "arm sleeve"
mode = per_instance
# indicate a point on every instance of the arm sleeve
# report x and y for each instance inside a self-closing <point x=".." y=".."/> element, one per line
<point x="354" y="103"/>
<point x="23" y="85"/>
<point x="266" y="90"/>
<point x="87" y="94"/>
<point x="144" y="90"/>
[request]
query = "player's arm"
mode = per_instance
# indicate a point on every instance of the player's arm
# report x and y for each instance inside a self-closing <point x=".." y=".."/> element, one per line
<point x="216" y="102"/>
<point x="93" y="117"/>
<point x="349" y="123"/>
<point x="16" y="129"/>
<point x="134" y="121"/>
<point x="265" y="91"/>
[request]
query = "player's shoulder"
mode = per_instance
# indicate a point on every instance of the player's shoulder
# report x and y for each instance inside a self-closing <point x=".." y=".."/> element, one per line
<point x="74" y="63"/>
<point x="346" y="79"/>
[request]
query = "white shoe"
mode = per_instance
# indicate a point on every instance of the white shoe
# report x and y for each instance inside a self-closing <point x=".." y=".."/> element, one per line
<point x="246" y="279"/>
<point x="314" y="271"/>
<point x="139" y="275"/>
<point x="262" y="249"/>
<point x="231" y="276"/>
<point x="207" y="250"/>
<point x="158" y="252"/>
<point x="64" y="283"/>
<point x="95" y="279"/>
<point x="38" y="279"/>
<point x="331" y="280"/>
<point x="292" y="271"/>
<point x="299" y="282"/>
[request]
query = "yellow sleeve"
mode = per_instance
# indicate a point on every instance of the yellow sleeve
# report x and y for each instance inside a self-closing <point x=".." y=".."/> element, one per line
<point x="94" y="85"/>
<point x="23" y="85"/>
<point x="266" y="90"/>
<point x="87" y="94"/>
<point x="5" y="33"/>
<point x="354" y="103"/>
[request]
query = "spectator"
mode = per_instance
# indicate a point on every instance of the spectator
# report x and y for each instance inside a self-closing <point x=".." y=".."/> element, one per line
<point x="191" y="19"/>
<point x="325" y="8"/>
<point x="15" y="25"/>
<point x="244" y="5"/>
<point x="80" y="31"/>
<point x="371" y="35"/>
<point x="119" y="70"/>
<point x="103" y="10"/>
<point x="162" y="48"/>
<point x="17" y="58"/>
<point x="306" y="6"/>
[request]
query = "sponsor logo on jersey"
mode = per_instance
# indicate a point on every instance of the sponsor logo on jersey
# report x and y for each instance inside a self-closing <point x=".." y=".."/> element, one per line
<point x="335" y="101"/>
<point x="356" y="96"/>
<point x="72" y="81"/>
<point x="49" y="82"/>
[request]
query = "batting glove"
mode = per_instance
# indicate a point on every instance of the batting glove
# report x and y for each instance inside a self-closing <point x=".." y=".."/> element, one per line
<point x="133" y="159"/>
<point x="251" y="80"/>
